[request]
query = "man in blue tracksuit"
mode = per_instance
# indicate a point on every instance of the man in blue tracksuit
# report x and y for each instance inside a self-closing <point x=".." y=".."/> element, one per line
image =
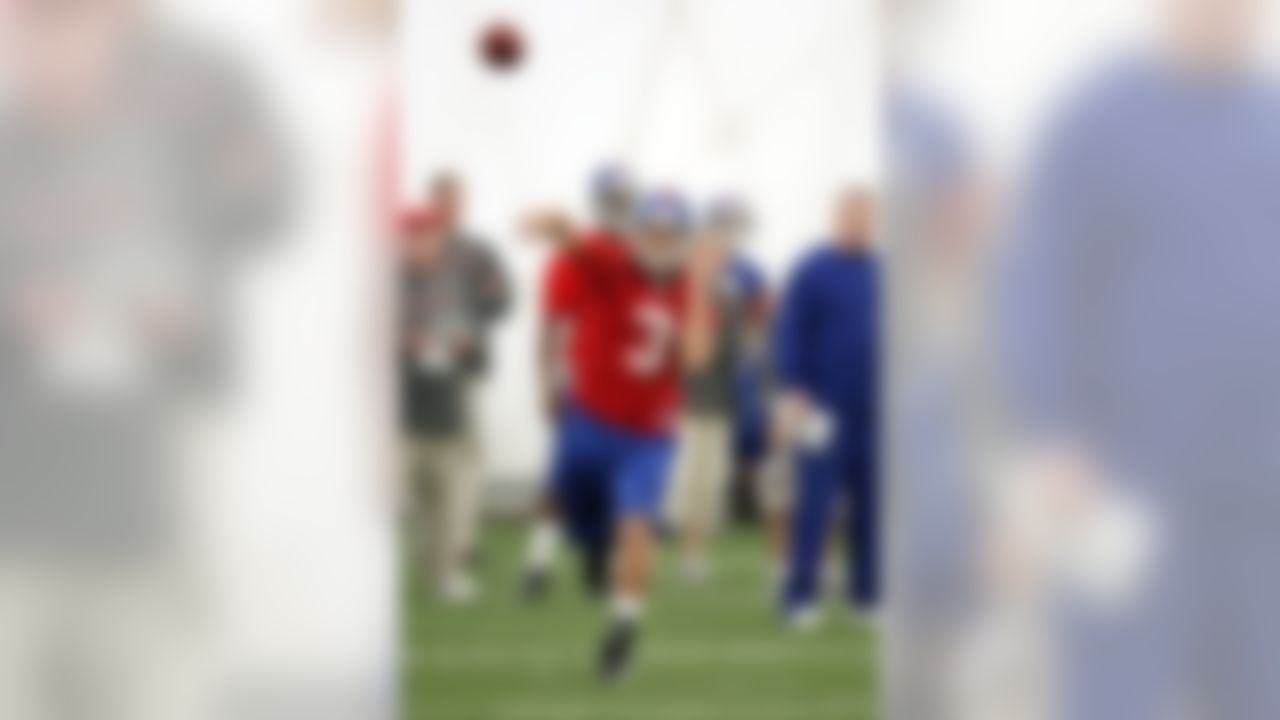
<point x="1138" y="332"/>
<point x="826" y="351"/>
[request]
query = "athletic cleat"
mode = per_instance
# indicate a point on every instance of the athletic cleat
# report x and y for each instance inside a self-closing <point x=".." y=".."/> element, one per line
<point x="535" y="585"/>
<point x="617" y="651"/>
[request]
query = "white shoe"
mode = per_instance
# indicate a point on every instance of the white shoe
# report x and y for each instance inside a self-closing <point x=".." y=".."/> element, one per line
<point x="805" y="620"/>
<point x="459" y="590"/>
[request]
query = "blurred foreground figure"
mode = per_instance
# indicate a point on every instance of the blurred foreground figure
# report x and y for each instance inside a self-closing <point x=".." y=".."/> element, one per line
<point x="937" y="400"/>
<point x="1141" y="317"/>
<point x="453" y="288"/>
<point x="826" y="348"/>
<point x="713" y="396"/>
<point x="133" y="169"/>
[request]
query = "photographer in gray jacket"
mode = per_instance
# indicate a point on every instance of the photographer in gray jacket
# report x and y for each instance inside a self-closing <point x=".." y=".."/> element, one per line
<point x="452" y="290"/>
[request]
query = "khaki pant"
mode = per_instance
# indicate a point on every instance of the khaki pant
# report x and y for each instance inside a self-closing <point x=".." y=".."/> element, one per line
<point x="775" y="482"/>
<point x="442" y="504"/>
<point x="474" y="468"/>
<point x="703" y="465"/>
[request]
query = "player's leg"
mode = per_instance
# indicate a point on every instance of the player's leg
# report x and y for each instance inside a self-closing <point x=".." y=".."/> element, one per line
<point x="589" y="520"/>
<point x="818" y="480"/>
<point x="639" y="485"/>
<point x="579" y="483"/>
<point x="598" y="552"/>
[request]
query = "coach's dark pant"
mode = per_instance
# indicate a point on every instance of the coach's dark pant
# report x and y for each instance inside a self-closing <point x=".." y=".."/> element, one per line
<point x="838" y="483"/>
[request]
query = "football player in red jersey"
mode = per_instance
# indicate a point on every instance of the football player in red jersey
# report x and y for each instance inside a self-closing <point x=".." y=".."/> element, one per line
<point x="637" y="317"/>
<point x="612" y="193"/>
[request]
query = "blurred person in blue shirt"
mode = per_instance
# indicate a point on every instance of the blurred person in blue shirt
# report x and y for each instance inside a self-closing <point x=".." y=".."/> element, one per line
<point x="1139" y="311"/>
<point x="717" y="397"/>
<point x="826" y="351"/>
<point x="938" y="397"/>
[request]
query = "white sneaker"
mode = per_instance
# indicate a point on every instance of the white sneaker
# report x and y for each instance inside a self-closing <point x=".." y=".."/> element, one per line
<point x="805" y="620"/>
<point x="459" y="590"/>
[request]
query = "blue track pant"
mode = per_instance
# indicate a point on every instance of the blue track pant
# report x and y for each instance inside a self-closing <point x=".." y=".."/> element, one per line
<point x="836" y="484"/>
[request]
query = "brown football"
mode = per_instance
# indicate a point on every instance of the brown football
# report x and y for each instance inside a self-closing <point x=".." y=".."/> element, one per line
<point x="502" y="45"/>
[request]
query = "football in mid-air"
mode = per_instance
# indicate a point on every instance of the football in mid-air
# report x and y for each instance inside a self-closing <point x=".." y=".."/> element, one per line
<point x="502" y="45"/>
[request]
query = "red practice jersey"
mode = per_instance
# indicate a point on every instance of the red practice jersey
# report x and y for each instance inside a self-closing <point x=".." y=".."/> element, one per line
<point x="624" y="332"/>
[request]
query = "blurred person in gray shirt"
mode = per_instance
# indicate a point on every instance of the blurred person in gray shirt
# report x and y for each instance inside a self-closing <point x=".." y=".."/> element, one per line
<point x="453" y="288"/>
<point x="484" y="284"/>
<point x="135" y="169"/>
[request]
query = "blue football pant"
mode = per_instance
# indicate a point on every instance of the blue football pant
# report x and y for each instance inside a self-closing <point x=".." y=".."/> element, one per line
<point x="602" y="473"/>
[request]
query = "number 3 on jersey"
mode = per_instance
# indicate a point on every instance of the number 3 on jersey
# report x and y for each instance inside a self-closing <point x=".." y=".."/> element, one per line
<point x="655" y="339"/>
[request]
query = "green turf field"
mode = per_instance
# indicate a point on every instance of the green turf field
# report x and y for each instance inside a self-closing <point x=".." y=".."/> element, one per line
<point x="708" y="653"/>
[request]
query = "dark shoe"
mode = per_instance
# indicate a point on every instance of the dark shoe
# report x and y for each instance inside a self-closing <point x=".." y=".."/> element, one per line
<point x="617" y="651"/>
<point x="595" y="573"/>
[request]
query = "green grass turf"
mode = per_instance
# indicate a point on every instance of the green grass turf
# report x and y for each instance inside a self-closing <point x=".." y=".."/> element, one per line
<point x="708" y="653"/>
